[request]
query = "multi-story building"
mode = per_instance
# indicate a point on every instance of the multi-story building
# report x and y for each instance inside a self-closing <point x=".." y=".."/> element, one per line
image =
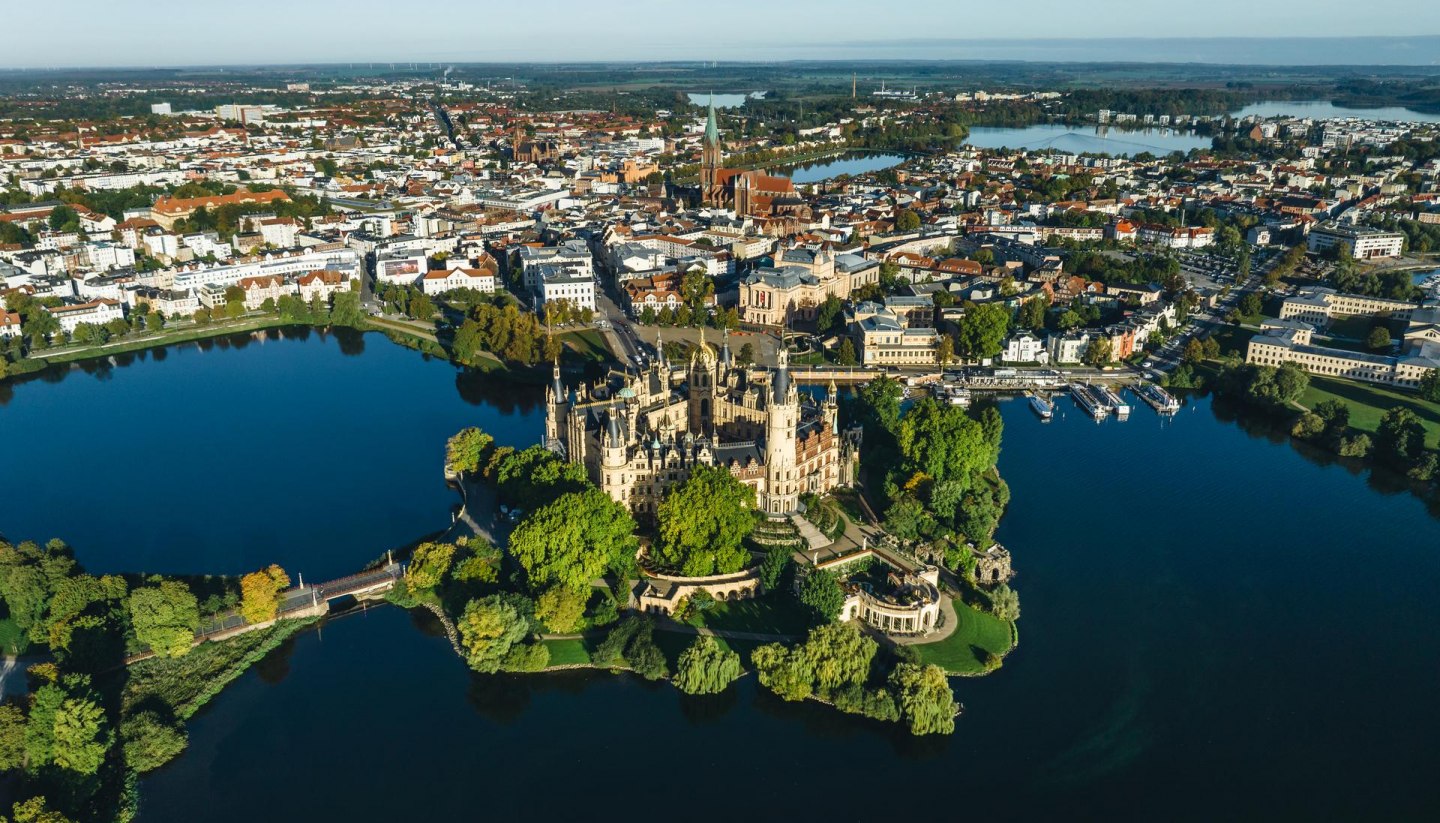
<point x="1292" y="345"/>
<point x="1317" y="305"/>
<point x="885" y="337"/>
<point x="1364" y="243"/>
<point x="95" y="312"/>
<point x="463" y="274"/>
<point x="9" y="324"/>
<point x="803" y="277"/>
<point x="571" y="257"/>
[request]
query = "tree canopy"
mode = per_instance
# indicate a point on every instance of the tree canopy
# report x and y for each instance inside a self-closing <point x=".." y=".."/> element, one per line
<point x="574" y="539"/>
<point x="705" y="668"/>
<point x="165" y="617"/>
<point x="703" y="522"/>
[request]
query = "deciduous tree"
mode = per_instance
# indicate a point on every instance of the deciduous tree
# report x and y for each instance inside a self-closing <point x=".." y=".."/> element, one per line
<point x="705" y="668"/>
<point x="703" y="521"/>
<point x="165" y="617"/>
<point x="573" y="540"/>
<point x="489" y="628"/>
<point x="260" y="594"/>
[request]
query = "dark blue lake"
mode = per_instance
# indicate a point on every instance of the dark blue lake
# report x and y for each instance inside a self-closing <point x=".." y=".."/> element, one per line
<point x="314" y="452"/>
<point x="1215" y="625"/>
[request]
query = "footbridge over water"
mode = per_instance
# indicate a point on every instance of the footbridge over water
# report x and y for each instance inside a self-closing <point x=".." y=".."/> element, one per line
<point x="297" y="603"/>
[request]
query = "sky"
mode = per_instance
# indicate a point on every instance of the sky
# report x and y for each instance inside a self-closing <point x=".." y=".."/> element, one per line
<point x="253" y="32"/>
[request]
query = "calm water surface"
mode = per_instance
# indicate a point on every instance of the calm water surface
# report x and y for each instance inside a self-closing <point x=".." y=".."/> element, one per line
<point x="851" y="163"/>
<point x="1216" y="626"/>
<point x="1321" y="109"/>
<point x="1081" y="139"/>
<point x="315" y="452"/>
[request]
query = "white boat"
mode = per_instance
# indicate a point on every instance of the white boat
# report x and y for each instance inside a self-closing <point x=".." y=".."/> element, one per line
<point x="1041" y="406"/>
<point x="1111" y="399"/>
<point x="1093" y="406"/>
<point x="1160" y="400"/>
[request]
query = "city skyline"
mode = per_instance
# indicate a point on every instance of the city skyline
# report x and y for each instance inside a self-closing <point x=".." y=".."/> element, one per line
<point x="125" y="34"/>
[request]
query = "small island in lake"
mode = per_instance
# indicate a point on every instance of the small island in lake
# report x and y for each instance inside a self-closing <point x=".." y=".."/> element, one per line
<point x="697" y="522"/>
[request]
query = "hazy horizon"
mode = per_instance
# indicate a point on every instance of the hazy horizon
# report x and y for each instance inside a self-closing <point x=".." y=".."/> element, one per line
<point x="168" y="33"/>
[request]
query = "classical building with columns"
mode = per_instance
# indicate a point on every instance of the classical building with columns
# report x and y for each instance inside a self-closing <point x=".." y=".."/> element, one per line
<point x="637" y="434"/>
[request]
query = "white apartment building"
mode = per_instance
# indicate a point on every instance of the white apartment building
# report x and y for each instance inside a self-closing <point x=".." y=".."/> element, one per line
<point x="1025" y="347"/>
<point x="479" y="279"/>
<point x="95" y="312"/>
<point x="1365" y="244"/>
<point x="400" y="267"/>
<point x="561" y="284"/>
<point x="571" y="257"/>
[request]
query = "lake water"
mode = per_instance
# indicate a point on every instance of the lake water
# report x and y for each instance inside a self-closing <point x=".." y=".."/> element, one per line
<point x="314" y="452"/>
<point x="1324" y="109"/>
<point x="724" y="101"/>
<point x="1081" y="139"/>
<point x="851" y="163"/>
<point x="1215" y="625"/>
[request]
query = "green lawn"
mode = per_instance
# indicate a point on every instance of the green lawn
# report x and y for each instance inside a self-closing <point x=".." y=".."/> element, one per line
<point x="775" y="613"/>
<point x="958" y="653"/>
<point x="1368" y="403"/>
<point x="568" y="652"/>
<point x="588" y="343"/>
<point x="1233" y="338"/>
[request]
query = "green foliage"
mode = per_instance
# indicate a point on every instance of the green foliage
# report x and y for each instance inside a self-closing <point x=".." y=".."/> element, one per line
<point x="1400" y="438"/>
<point x="574" y="540"/>
<point x="534" y="476"/>
<point x="1265" y="387"/>
<point x="783" y="671"/>
<point x="703" y="522"/>
<point x="705" y="668"/>
<point x="428" y="566"/>
<point x="924" y="697"/>
<point x="981" y="331"/>
<point x="489" y="628"/>
<point x="82" y="735"/>
<point x="36" y="810"/>
<point x="165" y="617"/>
<point x="260" y="594"/>
<point x="820" y="590"/>
<point x="466" y="451"/>
<point x="150" y="742"/>
<point x="832" y="659"/>
<point x="561" y="608"/>
<point x="12" y="737"/>
<point x="644" y="657"/>
<point x="481" y="563"/>
<point x="611" y="650"/>
<point x="1430" y="386"/>
<point x="1005" y="603"/>
<point x="945" y="443"/>
<point x="1378" y="339"/>
<point x="774" y="566"/>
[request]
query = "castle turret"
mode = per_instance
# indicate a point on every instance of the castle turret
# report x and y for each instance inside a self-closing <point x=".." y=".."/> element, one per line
<point x="832" y="408"/>
<point x="556" y="410"/>
<point x="782" y="483"/>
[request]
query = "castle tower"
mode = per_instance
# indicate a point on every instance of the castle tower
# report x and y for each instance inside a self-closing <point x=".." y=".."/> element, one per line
<point x="555" y="412"/>
<point x="704" y="379"/>
<point x="782" y="483"/>
<point x="612" y="458"/>
<point x="832" y="408"/>
<point x="711" y="158"/>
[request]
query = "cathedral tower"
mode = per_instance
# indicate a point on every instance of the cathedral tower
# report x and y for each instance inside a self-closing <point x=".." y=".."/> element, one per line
<point x="711" y="158"/>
